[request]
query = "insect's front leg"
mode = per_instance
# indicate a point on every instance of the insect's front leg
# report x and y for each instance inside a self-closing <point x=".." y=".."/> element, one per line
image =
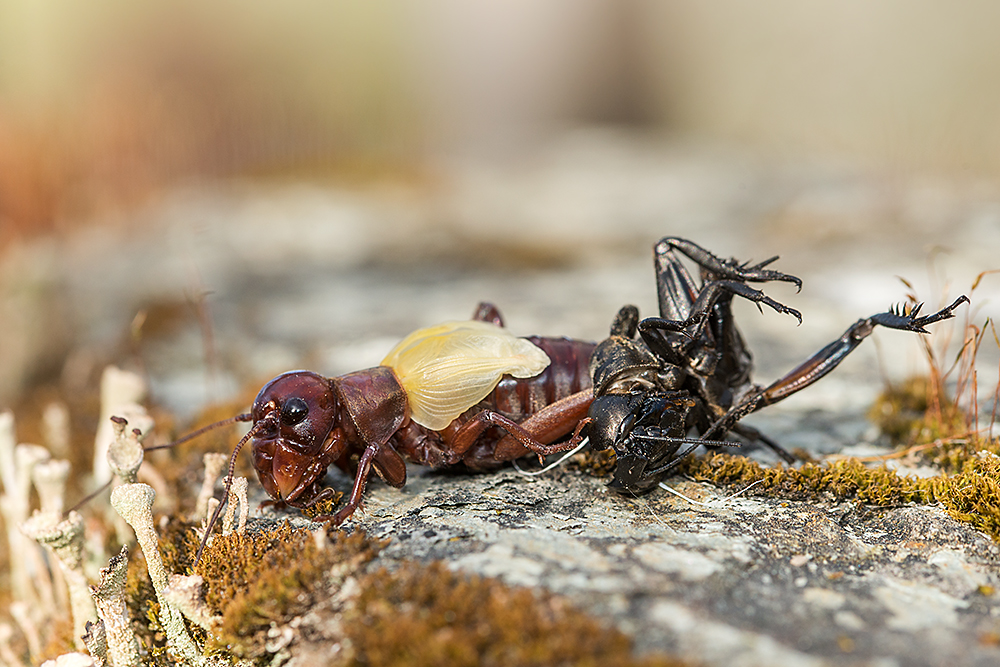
<point x="357" y="491"/>
<point x="655" y="331"/>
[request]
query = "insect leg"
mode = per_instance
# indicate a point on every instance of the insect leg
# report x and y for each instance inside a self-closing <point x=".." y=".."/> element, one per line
<point x="828" y="358"/>
<point x="488" y="312"/>
<point x="655" y="330"/>
<point x="390" y="466"/>
<point x="722" y="268"/>
<point x="533" y="434"/>
<point x="676" y="290"/>
<point x="360" y="479"/>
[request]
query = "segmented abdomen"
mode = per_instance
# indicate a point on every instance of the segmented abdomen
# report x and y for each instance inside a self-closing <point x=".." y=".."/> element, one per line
<point x="568" y="373"/>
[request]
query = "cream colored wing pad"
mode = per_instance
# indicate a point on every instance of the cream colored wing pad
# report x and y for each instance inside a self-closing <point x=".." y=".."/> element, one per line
<point x="448" y="368"/>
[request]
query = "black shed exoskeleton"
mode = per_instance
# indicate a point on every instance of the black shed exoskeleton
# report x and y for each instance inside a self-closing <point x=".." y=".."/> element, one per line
<point x="685" y="379"/>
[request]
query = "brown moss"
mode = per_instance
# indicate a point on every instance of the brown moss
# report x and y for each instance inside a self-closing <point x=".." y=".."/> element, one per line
<point x="324" y="507"/>
<point x="254" y="579"/>
<point x="420" y="616"/>
<point x="596" y="463"/>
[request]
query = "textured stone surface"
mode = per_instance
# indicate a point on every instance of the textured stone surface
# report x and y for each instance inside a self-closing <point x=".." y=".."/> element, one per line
<point x="730" y="581"/>
<point x="331" y="279"/>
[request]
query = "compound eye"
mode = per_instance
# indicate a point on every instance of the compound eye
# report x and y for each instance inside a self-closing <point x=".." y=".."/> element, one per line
<point x="294" y="411"/>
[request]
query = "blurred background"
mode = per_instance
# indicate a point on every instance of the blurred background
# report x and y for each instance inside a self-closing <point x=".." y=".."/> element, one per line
<point x="489" y="133"/>
<point x="102" y="103"/>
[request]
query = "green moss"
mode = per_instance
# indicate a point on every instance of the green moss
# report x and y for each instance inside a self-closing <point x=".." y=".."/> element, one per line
<point x="972" y="495"/>
<point x="419" y="616"/>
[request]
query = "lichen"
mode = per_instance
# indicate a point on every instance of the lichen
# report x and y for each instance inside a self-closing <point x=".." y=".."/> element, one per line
<point x="134" y="502"/>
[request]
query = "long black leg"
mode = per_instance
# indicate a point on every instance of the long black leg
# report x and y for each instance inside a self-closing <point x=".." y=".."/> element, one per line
<point x="684" y="304"/>
<point x="654" y="329"/>
<point x="825" y="361"/>
<point x="675" y="288"/>
<point x="722" y="268"/>
<point x="828" y="358"/>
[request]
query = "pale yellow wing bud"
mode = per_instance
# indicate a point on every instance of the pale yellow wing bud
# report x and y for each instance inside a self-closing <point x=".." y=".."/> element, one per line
<point x="447" y="368"/>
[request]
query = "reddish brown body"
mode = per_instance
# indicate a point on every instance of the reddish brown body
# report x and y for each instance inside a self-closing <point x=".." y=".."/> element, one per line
<point x="304" y="422"/>
<point x="533" y="403"/>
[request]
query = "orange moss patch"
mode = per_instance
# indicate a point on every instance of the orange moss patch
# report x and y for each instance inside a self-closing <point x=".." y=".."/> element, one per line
<point x="254" y="579"/>
<point x="419" y="616"/>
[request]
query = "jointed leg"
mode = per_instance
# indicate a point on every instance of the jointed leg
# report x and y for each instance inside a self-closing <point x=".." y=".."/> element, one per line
<point x="488" y="312"/>
<point x="722" y="268"/>
<point x="360" y="479"/>
<point x="654" y="330"/>
<point x="533" y="434"/>
<point x="830" y="356"/>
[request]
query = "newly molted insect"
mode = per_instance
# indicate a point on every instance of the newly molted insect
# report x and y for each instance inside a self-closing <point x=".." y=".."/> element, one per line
<point x="461" y="393"/>
<point x="689" y="370"/>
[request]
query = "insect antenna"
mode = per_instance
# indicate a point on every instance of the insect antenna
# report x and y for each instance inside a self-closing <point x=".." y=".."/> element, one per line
<point x="245" y="417"/>
<point x="268" y="420"/>
<point x="90" y="496"/>
<point x="695" y="444"/>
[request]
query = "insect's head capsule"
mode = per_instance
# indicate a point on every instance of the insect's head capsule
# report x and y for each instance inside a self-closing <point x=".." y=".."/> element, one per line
<point x="645" y="429"/>
<point x="296" y="412"/>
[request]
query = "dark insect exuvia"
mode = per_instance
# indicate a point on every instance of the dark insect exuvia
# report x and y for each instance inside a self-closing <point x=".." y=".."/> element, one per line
<point x="685" y="380"/>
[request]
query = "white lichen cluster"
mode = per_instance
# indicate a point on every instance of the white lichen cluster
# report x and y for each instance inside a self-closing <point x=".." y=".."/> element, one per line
<point x="50" y="553"/>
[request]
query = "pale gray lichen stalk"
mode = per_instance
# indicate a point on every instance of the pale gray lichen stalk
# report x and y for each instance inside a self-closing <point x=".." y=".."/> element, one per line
<point x="56" y="429"/>
<point x="29" y="578"/>
<point x="215" y="463"/>
<point x="64" y="539"/>
<point x="72" y="660"/>
<point x="6" y="652"/>
<point x="187" y="594"/>
<point x="115" y="629"/>
<point x="121" y="394"/>
<point x="125" y="453"/>
<point x="50" y="483"/>
<point x="237" y="496"/>
<point x="134" y="502"/>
